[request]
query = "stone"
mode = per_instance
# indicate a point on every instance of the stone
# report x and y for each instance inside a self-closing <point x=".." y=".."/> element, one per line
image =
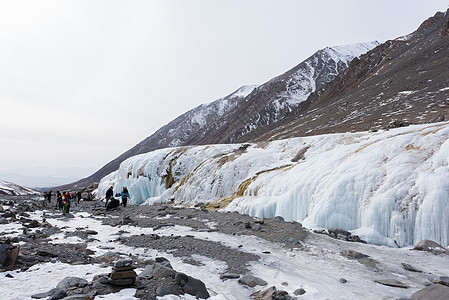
<point x="192" y="286"/>
<point x="291" y="242"/>
<point x="123" y="263"/>
<point x="430" y="246"/>
<point x="162" y="291"/>
<point x="90" y="231"/>
<point x="128" y="268"/>
<point x="229" y="276"/>
<point x="70" y="282"/>
<point x="410" y="268"/>
<point x="392" y="283"/>
<point x="339" y="231"/>
<point x="267" y="294"/>
<point x="279" y="218"/>
<point x="342" y="280"/>
<point x="122" y="274"/>
<point x="257" y="227"/>
<point x="56" y="294"/>
<point x="11" y="255"/>
<point x="157" y="270"/>
<point x="46" y="253"/>
<point x="434" y="292"/>
<point x="157" y="227"/>
<point x="163" y="261"/>
<point x="353" y="254"/>
<point x="122" y="282"/>
<point x="252" y="281"/>
<point x="80" y="297"/>
<point x="299" y="292"/>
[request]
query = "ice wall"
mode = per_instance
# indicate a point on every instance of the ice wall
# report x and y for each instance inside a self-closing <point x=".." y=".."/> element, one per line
<point x="389" y="187"/>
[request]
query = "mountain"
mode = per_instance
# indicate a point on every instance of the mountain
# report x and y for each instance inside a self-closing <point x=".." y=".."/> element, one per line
<point x="389" y="187"/>
<point x="11" y="189"/>
<point x="247" y="109"/>
<point x="403" y="81"/>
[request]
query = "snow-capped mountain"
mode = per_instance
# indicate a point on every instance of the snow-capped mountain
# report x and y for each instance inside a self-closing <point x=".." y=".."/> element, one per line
<point x="11" y="189"/>
<point x="389" y="187"/>
<point x="404" y="80"/>
<point x="249" y="108"/>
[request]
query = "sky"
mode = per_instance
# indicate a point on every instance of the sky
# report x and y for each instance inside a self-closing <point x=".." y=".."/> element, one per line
<point x="81" y="82"/>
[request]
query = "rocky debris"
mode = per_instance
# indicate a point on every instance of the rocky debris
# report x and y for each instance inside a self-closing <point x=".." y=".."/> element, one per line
<point x="252" y="281"/>
<point x="392" y="283"/>
<point x="430" y="246"/>
<point x="410" y="268"/>
<point x="341" y="234"/>
<point x="434" y="292"/>
<point x="271" y="293"/>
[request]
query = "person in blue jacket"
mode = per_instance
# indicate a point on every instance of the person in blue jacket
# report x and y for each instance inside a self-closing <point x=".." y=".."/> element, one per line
<point x="125" y="196"/>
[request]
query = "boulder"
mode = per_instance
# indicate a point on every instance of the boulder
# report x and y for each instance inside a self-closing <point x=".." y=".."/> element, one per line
<point x="192" y="286"/>
<point x="434" y="292"/>
<point x="157" y="270"/>
<point x="430" y="246"/>
<point x="410" y="268"/>
<point x="70" y="282"/>
<point x="267" y="294"/>
<point x="252" y="281"/>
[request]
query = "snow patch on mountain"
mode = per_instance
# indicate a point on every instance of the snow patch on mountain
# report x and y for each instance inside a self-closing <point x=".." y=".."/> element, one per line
<point x="12" y="189"/>
<point x="389" y="187"/>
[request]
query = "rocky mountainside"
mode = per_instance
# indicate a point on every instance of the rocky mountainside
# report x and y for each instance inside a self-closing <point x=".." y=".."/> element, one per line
<point x="403" y="81"/>
<point x="247" y="109"/>
<point x="11" y="189"/>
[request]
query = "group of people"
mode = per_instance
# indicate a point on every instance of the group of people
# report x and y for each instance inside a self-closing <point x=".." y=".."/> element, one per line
<point x="124" y="195"/>
<point x="64" y="200"/>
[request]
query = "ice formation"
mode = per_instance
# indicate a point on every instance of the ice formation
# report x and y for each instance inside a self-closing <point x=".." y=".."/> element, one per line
<point x="389" y="187"/>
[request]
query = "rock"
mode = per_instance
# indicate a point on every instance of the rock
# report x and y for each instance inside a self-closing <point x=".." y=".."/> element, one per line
<point x="192" y="286"/>
<point x="434" y="292"/>
<point x="444" y="280"/>
<point x="353" y="254"/>
<point x="410" y="268"/>
<point x="127" y="268"/>
<point x="392" y="282"/>
<point x="334" y="232"/>
<point x="9" y="254"/>
<point x="122" y="274"/>
<point x="252" y="281"/>
<point x="56" y="294"/>
<point x="46" y="253"/>
<point x="122" y="282"/>
<point x="279" y="218"/>
<point x="342" y="280"/>
<point x="123" y="263"/>
<point x="91" y="232"/>
<point x="267" y="294"/>
<point x="292" y="242"/>
<point x="157" y="270"/>
<point x="32" y="224"/>
<point x="162" y="291"/>
<point x="9" y="276"/>
<point x="157" y="227"/>
<point x="430" y="246"/>
<point x="70" y="282"/>
<point x="229" y="276"/>
<point x="257" y="227"/>
<point x="299" y="292"/>
<point x="163" y="261"/>
<point x="80" y="297"/>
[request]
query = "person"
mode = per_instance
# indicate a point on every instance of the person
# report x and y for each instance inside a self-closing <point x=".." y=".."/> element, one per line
<point x="125" y="196"/>
<point x="109" y="195"/>
<point x="49" y="196"/>
<point x="69" y="198"/>
<point x="65" y="203"/>
<point x="59" y="201"/>
<point x="78" y="196"/>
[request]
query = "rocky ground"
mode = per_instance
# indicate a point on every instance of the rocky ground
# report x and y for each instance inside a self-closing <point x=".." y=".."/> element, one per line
<point x="153" y="277"/>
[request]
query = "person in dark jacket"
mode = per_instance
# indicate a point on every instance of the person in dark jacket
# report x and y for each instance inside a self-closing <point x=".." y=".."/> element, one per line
<point x="109" y="195"/>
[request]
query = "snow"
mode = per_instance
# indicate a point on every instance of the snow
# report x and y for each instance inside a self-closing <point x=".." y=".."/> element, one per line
<point x="317" y="268"/>
<point x="14" y="189"/>
<point x="389" y="187"/>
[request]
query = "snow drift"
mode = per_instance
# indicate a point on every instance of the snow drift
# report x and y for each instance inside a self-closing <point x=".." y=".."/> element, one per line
<point x="389" y="187"/>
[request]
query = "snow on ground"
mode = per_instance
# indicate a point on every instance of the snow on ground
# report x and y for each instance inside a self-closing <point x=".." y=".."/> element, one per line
<point x="389" y="187"/>
<point x="317" y="268"/>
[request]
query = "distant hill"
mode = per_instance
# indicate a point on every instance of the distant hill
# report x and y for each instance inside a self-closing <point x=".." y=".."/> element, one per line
<point x="11" y="189"/>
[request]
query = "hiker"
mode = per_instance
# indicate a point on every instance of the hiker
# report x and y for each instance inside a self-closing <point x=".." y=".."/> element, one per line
<point x="78" y="196"/>
<point x="65" y="203"/>
<point x="59" y="200"/>
<point x="49" y="196"/>
<point x="125" y="196"/>
<point x="69" y="198"/>
<point x="109" y="195"/>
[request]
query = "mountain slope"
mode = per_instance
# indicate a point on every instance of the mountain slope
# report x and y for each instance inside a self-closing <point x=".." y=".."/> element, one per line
<point x="404" y="80"/>
<point x="247" y="109"/>
<point x="12" y="189"/>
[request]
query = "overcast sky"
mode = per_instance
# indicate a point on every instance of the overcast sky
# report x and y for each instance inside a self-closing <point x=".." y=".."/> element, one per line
<point x="83" y="81"/>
